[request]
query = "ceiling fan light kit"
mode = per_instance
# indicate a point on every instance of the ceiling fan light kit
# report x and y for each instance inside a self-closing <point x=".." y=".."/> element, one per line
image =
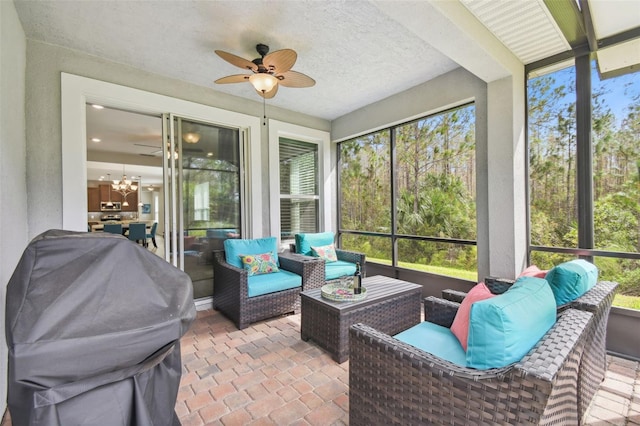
<point x="191" y="137"/>
<point x="263" y="82"/>
<point x="270" y="70"/>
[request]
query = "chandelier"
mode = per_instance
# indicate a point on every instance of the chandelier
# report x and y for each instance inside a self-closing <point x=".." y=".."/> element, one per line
<point x="124" y="186"/>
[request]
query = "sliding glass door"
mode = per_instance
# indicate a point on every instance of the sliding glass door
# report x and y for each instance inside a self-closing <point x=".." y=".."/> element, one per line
<point x="203" y="195"/>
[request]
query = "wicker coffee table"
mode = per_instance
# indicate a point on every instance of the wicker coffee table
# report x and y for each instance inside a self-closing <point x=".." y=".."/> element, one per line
<point x="391" y="306"/>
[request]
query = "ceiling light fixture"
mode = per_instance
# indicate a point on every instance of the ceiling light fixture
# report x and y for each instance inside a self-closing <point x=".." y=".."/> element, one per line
<point x="263" y="82"/>
<point x="140" y="200"/>
<point x="96" y="140"/>
<point x="96" y="106"/>
<point x="109" y="203"/>
<point x="191" y="137"/>
<point x="124" y="187"/>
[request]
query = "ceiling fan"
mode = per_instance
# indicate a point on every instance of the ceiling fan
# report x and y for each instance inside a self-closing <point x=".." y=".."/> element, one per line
<point x="270" y="70"/>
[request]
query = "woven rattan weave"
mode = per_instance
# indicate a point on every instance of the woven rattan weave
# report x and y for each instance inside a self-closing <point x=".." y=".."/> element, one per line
<point x="393" y="383"/>
<point x="391" y="305"/>
<point x="593" y="365"/>
<point x="230" y="292"/>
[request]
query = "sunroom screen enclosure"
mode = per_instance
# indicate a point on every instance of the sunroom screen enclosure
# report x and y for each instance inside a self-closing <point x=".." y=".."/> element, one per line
<point x="407" y="194"/>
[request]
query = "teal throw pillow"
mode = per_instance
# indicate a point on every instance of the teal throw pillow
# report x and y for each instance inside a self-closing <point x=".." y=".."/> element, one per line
<point x="572" y="279"/>
<point x="504" y="328"/>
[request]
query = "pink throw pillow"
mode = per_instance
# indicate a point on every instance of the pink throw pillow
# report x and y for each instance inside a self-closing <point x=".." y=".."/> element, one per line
<point x="533" y="271"/>
<point x="460" y="325"/>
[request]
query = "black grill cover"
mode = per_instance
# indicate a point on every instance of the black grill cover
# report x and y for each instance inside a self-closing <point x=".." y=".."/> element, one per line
<point x="93" y="323"/>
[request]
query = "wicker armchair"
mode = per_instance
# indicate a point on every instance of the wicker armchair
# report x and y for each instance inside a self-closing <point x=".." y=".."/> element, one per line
<point x="593" y="364"/>
<point x="391" y="382"/>
<point x="230" y="290"/>
<point x="344" y="255"/>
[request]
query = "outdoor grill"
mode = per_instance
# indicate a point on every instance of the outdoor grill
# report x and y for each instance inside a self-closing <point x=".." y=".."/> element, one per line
<point x="93" y="324"/>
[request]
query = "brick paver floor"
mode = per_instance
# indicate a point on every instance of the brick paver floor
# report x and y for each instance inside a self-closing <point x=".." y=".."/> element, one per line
<point x="266" y="375"/>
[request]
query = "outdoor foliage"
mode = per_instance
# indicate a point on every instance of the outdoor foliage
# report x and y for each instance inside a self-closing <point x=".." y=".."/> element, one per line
<point x="434" y="187"/>
<point x="616" y="171"/>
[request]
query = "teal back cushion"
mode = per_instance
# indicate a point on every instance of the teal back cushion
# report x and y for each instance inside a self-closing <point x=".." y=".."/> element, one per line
<point x="304" y="242"/>
<point x="233" y="248"/>
<point x="504" y="328"/>
<point x="572" y="279"/>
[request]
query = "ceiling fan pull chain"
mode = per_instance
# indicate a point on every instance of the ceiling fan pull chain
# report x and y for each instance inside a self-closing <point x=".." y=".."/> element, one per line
<point x="264" y="110"/>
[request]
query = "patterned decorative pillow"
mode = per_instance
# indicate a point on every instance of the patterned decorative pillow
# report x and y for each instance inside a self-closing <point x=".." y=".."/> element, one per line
<point x="328" y="253"/>
<point x="256" y="264"/>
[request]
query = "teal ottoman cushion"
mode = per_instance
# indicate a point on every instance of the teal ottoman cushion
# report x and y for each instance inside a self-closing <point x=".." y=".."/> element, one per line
<point x="270" y="283"/>
<point x="572" y="279"/>
<point x="504" y="328"/>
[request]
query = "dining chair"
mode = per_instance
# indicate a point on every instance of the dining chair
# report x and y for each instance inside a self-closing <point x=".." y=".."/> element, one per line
<point x="152" y="235"/>
<point x="113" y="228"/>
<point x="138" y="232"/>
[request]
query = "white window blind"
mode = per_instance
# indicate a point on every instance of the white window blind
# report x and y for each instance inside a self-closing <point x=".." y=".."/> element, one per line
<point x="299" y="195"/>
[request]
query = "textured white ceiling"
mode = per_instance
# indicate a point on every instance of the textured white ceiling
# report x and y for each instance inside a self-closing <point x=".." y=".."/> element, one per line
<point x="356" y="55"/>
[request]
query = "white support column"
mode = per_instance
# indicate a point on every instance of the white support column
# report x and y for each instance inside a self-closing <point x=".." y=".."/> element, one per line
<point x="506" y="176"/>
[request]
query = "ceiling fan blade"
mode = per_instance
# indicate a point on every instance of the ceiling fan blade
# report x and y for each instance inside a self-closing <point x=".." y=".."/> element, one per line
<point x="270" y="94"/>
<point x="295" y="79"/>
<point x="280" y="61"/>
<point x="236" y="78"/>
<point x="237" y="60"/>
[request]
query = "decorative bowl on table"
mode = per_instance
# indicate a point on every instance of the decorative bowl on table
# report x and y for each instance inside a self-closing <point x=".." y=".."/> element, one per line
<point x="342" y="292"/>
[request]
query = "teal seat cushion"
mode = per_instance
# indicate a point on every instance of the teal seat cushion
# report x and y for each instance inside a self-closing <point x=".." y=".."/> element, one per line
<point x="572" y="279"/>
<point x="436" y="340"/>
<point x="270" y="283"/>
<point x="234" y="248"/>
<point x="504" y="328"/>
<point x="304" y="242"/>
<point x="337" y="269"/>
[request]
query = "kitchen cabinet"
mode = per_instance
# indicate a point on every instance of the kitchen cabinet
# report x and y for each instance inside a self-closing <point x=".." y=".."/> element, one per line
<point x="132" y="198"/>
<point x="104" y="194"/>
<point x="93" y="199"/>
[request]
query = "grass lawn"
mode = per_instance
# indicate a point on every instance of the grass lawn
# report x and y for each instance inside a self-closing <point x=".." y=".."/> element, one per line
<point x="620" y="300"/>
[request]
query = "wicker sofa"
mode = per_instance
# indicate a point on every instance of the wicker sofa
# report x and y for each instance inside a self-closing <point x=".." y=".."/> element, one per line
<point x="231" y="290"/>
<point x="391" y="382"/>
<point x="593" y="366"/>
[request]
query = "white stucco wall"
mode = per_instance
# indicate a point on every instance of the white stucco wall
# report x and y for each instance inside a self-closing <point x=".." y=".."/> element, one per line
<point x="13" y="198"/>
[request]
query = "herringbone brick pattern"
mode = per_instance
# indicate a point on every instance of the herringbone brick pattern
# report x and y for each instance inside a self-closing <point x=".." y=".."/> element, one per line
<point x="266" y="375"/>
<point x="263" y="375"/>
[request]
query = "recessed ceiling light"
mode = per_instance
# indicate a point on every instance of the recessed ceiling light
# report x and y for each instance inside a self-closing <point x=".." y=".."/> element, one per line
<point x="101" y="178"/>
<point x="96" y="140"/>
<point x="96" y="106"/>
